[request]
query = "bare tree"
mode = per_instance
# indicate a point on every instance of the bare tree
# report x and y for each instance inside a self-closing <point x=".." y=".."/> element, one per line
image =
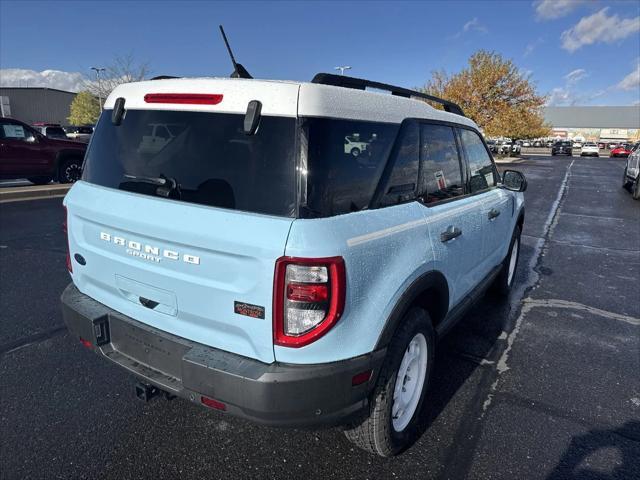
<point x="123" y="69"/>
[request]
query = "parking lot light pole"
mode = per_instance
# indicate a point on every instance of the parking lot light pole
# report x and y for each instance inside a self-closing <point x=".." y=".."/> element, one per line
<point x="98" y="70"/>
<point x="342" y="68"/>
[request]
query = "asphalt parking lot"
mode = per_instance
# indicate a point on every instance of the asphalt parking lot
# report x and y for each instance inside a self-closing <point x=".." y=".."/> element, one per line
<point x="545" y="385"/>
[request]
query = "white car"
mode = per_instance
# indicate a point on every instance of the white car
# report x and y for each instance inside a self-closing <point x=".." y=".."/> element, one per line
<point x="589" y="149"/>
<point x="354" y="146"/>
<point x="577" y="144"/>
<point x="526" y="143"/>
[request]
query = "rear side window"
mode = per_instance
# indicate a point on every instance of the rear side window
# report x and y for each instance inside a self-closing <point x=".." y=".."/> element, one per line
<point x="198" y="157"/>
<point x="482" y="173"/>
<point x="441" y="173"/>
<point x="404" y="164"/>
<point x="344" y="163"/>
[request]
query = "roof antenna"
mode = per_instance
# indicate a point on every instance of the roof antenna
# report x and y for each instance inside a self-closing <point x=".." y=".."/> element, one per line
<point x="238" y="70"/>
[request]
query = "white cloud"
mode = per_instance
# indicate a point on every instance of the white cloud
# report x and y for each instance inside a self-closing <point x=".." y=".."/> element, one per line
<point x="567" y="94"/>
<point x="19" y="77"/>
<point x="599" y="27"/>
<point x="575" y="76"/>
<point x="631" y="81"/>
<point x="474" y="24"/>
<point x="532" y="46"/>
<point x="552" y="9"/>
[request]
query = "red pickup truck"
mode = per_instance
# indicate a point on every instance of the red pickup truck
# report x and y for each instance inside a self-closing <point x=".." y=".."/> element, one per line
<point x="26" y="153"/>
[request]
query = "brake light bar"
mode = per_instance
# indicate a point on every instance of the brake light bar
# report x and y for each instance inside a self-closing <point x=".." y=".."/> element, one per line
<point x="184" y="98"/>
<point x="308" y="299"/>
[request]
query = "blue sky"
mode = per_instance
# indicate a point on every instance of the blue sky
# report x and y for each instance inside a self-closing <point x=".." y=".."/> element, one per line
<point x="578" y="52"/>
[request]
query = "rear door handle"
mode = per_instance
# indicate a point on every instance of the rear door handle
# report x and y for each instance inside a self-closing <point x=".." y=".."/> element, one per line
<point x="450" y="233"/>
<point x="493" y="213"/>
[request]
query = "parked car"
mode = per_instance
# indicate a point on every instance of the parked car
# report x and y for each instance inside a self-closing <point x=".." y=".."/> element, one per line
<point x="602" y="145"/>
<point x="354" y="146"/>
<point x="526" y="143"/>
<point x="50" y="130"/>
<point x="612" y="145"/>
<point x="287" y="315"/>
<point x="549" y="143"/>
<point x="27" y="153"/>
<point x="563" y="147"/>
<point x="509" y="148"/>
<point x="577" y="144"/>
<point x="623" y="150"/>
<point x="81" y="134"/>
<point x="631" y="176"/>
<point x="493" y="146"/>
<point x="589" y="149"/>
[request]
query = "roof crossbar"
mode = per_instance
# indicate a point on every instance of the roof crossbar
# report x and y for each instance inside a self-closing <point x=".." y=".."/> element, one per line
<point x="362" y="84"/>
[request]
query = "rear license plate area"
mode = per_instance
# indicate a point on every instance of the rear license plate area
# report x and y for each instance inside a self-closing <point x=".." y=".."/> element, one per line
<point x="147" y="346"/>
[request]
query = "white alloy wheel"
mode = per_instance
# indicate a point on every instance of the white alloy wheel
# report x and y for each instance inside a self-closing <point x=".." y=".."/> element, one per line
<point x="512" y="260"/>
<point x="409" y="382"/>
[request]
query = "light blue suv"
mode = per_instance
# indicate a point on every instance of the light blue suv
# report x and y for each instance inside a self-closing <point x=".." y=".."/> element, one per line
<point x="227" y="248"/>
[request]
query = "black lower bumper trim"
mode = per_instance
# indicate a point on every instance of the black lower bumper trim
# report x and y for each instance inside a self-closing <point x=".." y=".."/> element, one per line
<point x="277" y="393"/>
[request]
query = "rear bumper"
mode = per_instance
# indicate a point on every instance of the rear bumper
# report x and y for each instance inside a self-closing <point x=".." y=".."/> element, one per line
<point x="276" y="394"/>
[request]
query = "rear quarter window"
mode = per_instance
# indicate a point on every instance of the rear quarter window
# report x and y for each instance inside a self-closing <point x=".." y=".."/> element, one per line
<point x="345" y="160"/>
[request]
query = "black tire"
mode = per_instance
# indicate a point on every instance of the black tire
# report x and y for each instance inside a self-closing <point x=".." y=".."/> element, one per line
<point x="39" y="180"/>
<point x="636" y="189"/>
<point x="626" y="184"/>
<point x="503" y="282"/>
<point x="70" y="170"/>
<point x="355" y="151"/>
<point x="373" y="431"/>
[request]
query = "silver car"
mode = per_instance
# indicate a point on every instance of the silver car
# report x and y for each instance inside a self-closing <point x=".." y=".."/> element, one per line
<point x="631" y="178"/>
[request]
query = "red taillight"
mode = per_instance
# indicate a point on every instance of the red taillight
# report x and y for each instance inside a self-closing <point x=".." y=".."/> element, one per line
<point x="211" y="403"/>
<point x="302" y="292"/>
<point x="66" y="232"/>
<point x="86" y="343"/>
<point x="184" y="98"/>
<point x="308" y="299"/>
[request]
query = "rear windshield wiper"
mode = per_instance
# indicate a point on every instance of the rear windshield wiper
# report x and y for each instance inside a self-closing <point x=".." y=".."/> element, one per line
<point x="166" y="185"/>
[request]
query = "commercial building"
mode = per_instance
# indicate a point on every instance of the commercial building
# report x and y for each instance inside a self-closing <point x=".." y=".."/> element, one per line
<point x="36" y="104"/>
<point x="595" y="124"/>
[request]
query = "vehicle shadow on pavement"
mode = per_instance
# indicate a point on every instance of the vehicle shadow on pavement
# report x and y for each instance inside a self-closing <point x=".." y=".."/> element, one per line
<point x="575" y="463"/>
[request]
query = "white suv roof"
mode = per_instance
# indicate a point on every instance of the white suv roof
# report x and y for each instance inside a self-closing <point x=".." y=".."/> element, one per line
<point x="280" y="98"/>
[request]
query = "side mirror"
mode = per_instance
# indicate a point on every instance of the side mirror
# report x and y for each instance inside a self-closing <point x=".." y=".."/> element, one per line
<point x="252" y="117"/>
<point x="514" y="181"/>
<point x="31" y="139"/>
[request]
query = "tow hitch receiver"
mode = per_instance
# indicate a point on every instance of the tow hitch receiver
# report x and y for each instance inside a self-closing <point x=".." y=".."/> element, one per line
<point x="146" y="392"/>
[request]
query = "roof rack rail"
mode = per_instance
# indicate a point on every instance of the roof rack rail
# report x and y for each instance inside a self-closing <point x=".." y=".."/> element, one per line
<point x="362" y="84"/>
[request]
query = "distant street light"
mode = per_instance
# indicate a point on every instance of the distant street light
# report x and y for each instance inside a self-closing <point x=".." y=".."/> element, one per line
<point x="342" y="69"/>
<point x="98" y="70"/>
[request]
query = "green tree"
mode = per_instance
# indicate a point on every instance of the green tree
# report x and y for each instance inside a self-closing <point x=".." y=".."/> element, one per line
<point x="85" y="109"/>
<point x="494" y="94"/>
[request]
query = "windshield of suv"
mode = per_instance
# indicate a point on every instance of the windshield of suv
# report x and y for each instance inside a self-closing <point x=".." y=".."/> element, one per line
<point x="198" y="157"/>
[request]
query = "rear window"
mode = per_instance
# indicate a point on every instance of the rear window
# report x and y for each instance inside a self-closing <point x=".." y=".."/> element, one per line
<point x="58" y="131"/>
<point x="198" y="157"/>
<point x="344" y="163"/>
